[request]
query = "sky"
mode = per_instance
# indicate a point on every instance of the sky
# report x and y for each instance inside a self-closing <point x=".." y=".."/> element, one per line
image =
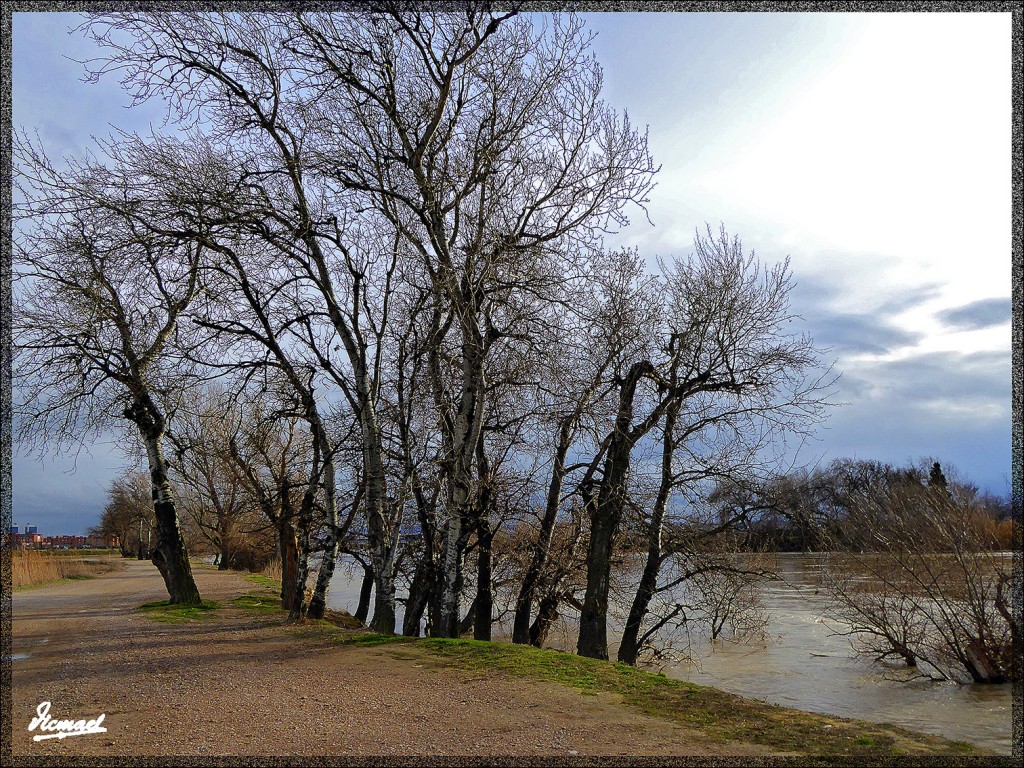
<point x="873" y="150"/>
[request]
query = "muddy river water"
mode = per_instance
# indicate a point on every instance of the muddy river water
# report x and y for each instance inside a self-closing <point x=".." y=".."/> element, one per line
<point x="804" y="664"/>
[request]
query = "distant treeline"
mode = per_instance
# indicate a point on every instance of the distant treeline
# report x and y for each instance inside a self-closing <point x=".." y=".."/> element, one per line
<point x="813" y="510"/>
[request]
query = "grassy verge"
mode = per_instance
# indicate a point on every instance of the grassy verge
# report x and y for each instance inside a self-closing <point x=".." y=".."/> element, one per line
<point x="54" y="582"/>
<point x="721" y="717"/>
<point x="258" y="602"/>
<point x="267" y="600"/>
<point x="163" y="610"/>
<point x="81" y="552"/>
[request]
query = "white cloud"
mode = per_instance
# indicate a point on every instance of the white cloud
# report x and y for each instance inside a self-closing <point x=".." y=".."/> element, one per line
<point x="900" y="147"/>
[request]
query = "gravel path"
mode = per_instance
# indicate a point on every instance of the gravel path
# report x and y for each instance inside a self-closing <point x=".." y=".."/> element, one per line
<point x="242" y="684"/>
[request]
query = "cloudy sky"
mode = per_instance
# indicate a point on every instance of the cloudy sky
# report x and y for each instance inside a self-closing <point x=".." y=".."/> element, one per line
<point x="872" y="149"/>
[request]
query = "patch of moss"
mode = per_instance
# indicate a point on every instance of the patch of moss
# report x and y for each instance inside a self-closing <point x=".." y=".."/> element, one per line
<point x="344" y="620"/>
<point x="963" y="746"/>
<point x="163" y="610"/>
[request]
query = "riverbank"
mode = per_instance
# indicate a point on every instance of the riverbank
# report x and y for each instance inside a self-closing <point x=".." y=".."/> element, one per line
<point x="235" y="680"/>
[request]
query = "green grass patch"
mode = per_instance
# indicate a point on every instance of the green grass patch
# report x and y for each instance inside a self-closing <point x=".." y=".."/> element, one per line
<point x="262" y="602"/>
<point x="266" y="600"/>
<point x="963" y="746"/>
<point x="373" y="638"/>
<point x="335" y="626"/>
<point x="719" y="715"/>
<point x="163" y="610"/>
<point x="263" y="581"/>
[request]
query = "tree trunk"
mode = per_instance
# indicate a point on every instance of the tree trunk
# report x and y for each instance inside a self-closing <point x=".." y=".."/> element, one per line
<point x="298" y="608"/>
<point x="226" y="556"/>
<point x="384" y="582"/>
<point x="547" y="612"/>
<point x="484" y="602"/>
<point x="419" y="597"/>
<point x="169" y="555"/>
<point x="384" y="607"/>
<point x="593" y="639"/>
<point x="462" y="444"/>
<point x="469" y="620"/>
<point x="979" y="665"/>
<point x="524" y="602"/>
<point x="382" y="537"/>
<point x="318" y="602"/>
<point x="363" y="609"/>
<point x="288" y="547"/>
<point x="629" y="648"/>
<point x="448" y="604"/>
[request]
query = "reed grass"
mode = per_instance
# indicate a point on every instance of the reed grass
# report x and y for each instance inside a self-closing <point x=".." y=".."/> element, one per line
<point x="33" y="568"/>
<point x="272" y="570"/>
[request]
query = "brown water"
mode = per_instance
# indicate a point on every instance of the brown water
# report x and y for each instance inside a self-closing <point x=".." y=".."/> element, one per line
<point x="805" y="665"/>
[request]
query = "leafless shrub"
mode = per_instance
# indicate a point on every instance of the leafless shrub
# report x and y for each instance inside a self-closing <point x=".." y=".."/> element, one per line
<point x="926" y="588"/>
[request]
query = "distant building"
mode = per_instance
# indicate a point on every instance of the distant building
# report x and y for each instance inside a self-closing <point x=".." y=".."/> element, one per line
<point x="26" y="540"/>
<point x="32" y="539"/>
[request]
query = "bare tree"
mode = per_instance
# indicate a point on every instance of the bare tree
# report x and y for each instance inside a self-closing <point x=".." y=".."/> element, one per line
<point x="722" y="345"/>
<point x="213" y="493"/>
<point x="476" y="137"/>
<point x="102" y="279"/>
<point x="596" y="325"/>
<point x="128" y="513"/>
<point x="270" y="454"/>
<point x="926" y="586"/>
<point x="241" y="72"/>
<point x="484" y="143"/>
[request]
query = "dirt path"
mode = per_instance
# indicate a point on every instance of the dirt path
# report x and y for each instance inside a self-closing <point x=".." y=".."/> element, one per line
<point x="241" y="684"/>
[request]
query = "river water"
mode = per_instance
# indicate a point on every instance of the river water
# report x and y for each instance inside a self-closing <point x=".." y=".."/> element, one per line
<point x="804" y="664"/>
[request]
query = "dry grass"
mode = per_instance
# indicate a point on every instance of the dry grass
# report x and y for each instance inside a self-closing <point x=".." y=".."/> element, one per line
<point x="33" y="568"/>
<point x="273" y="570"/>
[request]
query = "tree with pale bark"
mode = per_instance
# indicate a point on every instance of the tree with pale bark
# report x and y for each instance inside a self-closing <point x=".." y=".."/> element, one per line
<point x="720" y="358"/>
<point x="382" y="231"/>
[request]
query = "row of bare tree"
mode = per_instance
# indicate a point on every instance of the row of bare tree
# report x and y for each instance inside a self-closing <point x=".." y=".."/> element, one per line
<point x="381" y="233"/>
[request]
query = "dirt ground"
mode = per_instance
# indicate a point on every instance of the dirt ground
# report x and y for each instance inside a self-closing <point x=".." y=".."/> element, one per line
<point x="237" y="683"/>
